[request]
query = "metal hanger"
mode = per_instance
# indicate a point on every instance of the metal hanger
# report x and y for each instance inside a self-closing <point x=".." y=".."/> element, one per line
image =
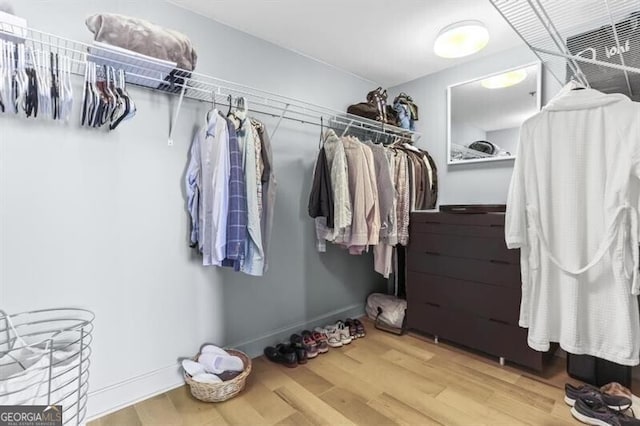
<point x="230" y="101"/>
<point x="213" y="105"/>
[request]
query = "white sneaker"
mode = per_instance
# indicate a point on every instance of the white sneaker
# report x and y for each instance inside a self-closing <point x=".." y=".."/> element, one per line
<point x="345" y="336"/>
<point x="333" y="335"/>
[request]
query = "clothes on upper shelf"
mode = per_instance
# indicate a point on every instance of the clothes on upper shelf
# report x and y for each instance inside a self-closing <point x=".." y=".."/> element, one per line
<point x="572" y="212"/>
<point x="230" y="185"/>
<point x="368" y="190"/>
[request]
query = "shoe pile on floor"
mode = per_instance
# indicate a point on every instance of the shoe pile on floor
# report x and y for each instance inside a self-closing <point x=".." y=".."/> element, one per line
<point x="309" y="344"/>
<point x="594" y="406"/>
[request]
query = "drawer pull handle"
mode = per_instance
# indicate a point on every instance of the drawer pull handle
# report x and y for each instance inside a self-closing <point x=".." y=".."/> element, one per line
<point x="435" y="305"/>
<point x="432" y="253"/>
<point x="498" y="321"/>
<point x="499" y="262"/>
<point x="496" y="226"/>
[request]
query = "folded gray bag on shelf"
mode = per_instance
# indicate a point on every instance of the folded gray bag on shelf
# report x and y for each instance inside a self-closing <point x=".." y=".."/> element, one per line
<point x="148" y="39"/>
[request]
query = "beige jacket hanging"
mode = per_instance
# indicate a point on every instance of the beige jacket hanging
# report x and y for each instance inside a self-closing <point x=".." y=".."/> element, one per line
<point x="361" y="197"/>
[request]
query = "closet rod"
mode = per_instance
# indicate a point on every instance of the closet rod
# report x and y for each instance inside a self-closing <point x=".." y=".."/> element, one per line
<point x="302" y="121"/>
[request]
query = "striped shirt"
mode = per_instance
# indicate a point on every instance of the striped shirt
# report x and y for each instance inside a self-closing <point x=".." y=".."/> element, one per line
<point x="237" y="213"/>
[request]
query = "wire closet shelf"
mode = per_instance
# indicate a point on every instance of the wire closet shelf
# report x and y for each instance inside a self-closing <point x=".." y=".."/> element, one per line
<point x="586" y="41"/>
<point x="164" y="77"/>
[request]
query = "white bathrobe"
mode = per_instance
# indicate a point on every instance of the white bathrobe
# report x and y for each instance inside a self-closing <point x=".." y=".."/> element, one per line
<point x="572" y="212"/>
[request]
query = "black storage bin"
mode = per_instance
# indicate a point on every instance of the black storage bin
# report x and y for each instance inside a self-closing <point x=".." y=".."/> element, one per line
<point x="596" y="371"/>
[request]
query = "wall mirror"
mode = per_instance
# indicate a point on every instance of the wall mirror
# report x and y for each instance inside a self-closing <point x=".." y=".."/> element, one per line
<point x="485" y="114"/>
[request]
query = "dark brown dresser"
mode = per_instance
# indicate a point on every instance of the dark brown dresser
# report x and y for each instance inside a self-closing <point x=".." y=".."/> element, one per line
<point x="463" y="285"/>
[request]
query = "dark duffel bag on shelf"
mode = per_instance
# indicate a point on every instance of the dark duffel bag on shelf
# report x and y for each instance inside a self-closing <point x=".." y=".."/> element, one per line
<point x="364" y="109"/>
<point x="600" y="44"/>
<point x="375" y="108"/>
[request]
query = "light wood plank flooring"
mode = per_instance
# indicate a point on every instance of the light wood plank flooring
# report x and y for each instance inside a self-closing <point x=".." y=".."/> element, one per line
<point x="379" y="380"/>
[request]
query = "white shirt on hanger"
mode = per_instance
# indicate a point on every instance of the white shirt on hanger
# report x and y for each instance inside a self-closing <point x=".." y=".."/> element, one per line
<point x="210" y="160"/>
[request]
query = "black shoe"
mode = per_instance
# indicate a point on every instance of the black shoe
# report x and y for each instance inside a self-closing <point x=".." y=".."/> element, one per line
<point x="596" y="413"/>
<point x="591" y="393"/>
<point x="298" y="344"/>
<point x="282" y="354"/>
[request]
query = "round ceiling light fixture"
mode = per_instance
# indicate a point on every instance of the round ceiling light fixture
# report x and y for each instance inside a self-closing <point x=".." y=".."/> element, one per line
<point x="461" y="39"/>
<point x="507" y="79"/>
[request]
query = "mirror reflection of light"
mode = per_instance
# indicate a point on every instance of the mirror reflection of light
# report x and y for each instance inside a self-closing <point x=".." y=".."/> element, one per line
<point x="461" y="39"/>
<point x="507" y="79"/>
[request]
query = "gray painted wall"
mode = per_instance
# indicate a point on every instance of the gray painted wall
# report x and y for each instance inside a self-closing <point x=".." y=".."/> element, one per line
<point x="464" y="183"/>
<point x="506" y="139"/>
<point x="464" y="134"/>
<point x="98" y="220"/>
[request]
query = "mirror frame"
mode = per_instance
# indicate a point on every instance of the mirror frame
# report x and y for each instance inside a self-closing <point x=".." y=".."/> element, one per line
<point x="538" y="65"/>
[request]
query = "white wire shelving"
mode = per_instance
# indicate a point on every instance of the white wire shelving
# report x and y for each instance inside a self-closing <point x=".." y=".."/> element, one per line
<point x="163" y="77"/>
<point x="594" y="42"/>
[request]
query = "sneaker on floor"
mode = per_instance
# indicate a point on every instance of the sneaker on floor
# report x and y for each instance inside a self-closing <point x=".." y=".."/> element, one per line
<point x="320" y="340"/>
<point x="301" y="348"/>
<point x="345" y="336"/>
<point x="359" y="328"/>
<point x="333" y="336"/>
<point x="593" y="412"/>
<point x="351" y="325"/>
<point x="309" y="345"/>
<point x="591" y="393"/>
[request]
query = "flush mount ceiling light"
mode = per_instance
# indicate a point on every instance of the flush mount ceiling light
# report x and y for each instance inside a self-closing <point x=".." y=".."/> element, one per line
<point x="507" y="79"/>
<point x="461" y="39"/>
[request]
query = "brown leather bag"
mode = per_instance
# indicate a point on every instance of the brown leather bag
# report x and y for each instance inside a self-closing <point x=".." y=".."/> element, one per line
<point x="375" y="108"/>
<point x="364" y="109"/>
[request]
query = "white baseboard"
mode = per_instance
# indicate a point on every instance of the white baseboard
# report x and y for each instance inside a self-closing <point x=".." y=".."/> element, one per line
<point x="123" y="394"/>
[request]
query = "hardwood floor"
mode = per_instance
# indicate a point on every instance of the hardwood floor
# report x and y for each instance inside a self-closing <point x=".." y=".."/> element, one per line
<point x="379" y="380"/>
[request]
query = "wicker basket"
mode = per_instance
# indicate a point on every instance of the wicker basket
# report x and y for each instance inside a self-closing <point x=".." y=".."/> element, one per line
<point x="219" y="392"/>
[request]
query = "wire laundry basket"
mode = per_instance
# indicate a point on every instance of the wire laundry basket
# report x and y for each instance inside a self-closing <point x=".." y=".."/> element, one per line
<point x="44" y="360"/>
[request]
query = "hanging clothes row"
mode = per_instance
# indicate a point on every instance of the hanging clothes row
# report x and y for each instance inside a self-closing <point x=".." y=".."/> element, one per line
<point x="362" y="194"/>
<point x="231" y="188"/>
<point x="34" y="82"/>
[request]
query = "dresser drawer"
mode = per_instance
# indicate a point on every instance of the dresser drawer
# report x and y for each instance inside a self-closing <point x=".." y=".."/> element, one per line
<point x="492" y="231"/>
<point x="482" y="300"/>
<point x="488" y="220"/>
<point x="487" y="336"/>
<point x="488" y="272"/>
<point x="464" y="246"/>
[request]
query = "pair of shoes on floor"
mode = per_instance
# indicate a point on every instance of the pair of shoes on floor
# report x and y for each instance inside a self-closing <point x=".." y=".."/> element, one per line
<point x="342" y="332"/>
<point x="356" y="328"/>
<point x="592" y="407"/>
<point x="301" y="347"/>
<point x="285" y="354"/>
<point x="313" y="343"/>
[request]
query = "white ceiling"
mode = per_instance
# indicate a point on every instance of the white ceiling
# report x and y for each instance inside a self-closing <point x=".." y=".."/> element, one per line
<point x="386" y="41"/>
